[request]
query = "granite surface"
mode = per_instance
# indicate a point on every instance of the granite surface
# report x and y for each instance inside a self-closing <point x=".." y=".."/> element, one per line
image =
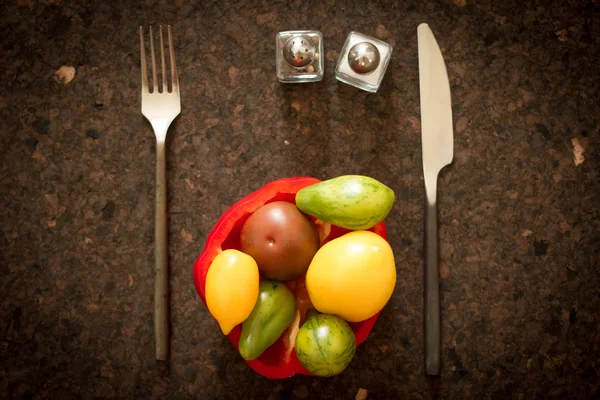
<point x="519" y="220"/>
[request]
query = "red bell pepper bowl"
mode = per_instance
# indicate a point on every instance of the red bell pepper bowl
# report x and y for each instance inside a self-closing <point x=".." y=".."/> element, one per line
<point x="226" y="235"/>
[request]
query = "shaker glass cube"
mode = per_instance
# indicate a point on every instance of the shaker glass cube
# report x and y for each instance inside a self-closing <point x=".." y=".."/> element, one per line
<point x="363" y="61"/>
<point x="299" y="56"/>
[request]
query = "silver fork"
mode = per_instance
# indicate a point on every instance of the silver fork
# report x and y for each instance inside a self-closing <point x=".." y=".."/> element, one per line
<point x="160" y="106"/>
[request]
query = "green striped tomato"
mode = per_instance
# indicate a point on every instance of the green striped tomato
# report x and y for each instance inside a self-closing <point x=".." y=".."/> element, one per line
<point x="353" y="202"/>
<point x="325" y="344"/>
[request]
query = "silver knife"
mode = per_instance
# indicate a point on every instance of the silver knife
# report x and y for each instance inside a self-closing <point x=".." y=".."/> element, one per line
<point x="437" y="141"/>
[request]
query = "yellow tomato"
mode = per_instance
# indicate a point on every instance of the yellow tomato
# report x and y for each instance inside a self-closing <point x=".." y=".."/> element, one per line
<point x="352" y="276"/>
<point x="231" y="288"/>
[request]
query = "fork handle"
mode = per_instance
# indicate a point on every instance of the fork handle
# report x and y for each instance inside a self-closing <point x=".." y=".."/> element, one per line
<point x="161" y="268"/>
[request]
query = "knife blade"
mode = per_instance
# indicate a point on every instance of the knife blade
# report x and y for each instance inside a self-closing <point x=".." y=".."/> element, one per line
<point x="437" y="139"/>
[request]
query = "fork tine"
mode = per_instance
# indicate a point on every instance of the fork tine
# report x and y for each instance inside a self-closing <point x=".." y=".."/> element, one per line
<point x="165" y="86"/>
<point x="154" y="80"/>
<point x="174" y="78"/>
<point x="143" y="62"/>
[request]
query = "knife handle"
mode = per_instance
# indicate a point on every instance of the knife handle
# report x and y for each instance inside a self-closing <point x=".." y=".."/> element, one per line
<point x="432" y="292"/>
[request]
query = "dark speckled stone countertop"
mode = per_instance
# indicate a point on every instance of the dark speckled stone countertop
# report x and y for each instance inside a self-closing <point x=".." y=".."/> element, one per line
<point x="519" y="220"/>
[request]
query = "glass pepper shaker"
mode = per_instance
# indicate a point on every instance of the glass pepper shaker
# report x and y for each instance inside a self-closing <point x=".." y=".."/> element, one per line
<point x="363" y="61"/>
<point x="299" y="56"/>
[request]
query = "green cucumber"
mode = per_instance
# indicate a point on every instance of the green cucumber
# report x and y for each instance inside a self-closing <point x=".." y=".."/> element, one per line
<point x="350" y="201"/>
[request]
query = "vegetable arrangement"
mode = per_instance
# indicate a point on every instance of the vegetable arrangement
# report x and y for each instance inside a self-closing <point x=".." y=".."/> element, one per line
<point x="297" y="272"/>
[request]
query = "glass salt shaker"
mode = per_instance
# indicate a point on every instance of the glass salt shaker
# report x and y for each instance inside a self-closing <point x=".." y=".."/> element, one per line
<point x="363" y="61"/>
<point x="299" y="56"/>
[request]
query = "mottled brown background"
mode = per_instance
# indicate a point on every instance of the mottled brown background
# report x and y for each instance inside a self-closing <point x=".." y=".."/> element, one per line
<point x="519" y="221"/>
